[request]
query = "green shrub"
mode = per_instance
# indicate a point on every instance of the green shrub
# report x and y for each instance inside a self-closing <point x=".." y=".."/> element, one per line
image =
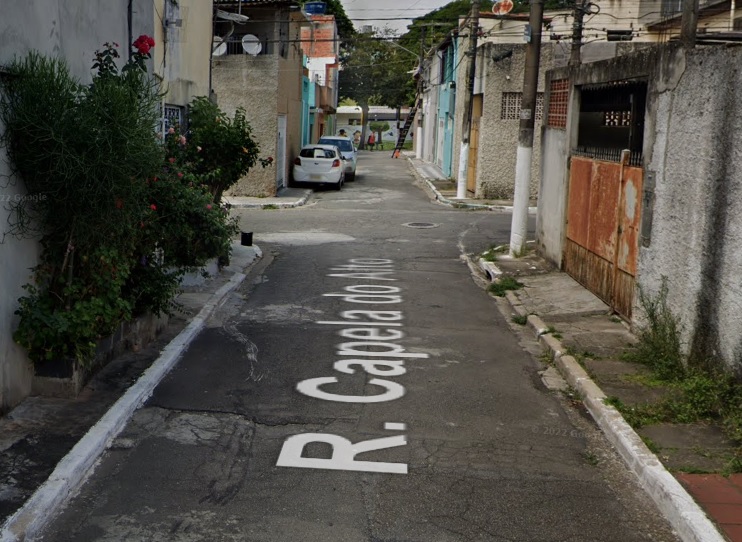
<point x="219" y="150"/>
<point x="118" y="219"/>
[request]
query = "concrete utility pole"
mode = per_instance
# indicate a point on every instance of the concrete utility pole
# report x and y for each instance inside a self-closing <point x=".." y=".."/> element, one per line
<point x="689" y="23"/>
<point x="519" y="227"/>
<point x="578" y="17"/>
<point x="468" y="99"/>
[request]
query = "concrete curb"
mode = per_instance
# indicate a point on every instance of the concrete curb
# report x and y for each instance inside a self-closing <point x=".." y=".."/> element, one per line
<point x="27" y="522"/>
<point x="279" y="205"/>
<point x="678" y="507"/>
<point x="458" y="204"/>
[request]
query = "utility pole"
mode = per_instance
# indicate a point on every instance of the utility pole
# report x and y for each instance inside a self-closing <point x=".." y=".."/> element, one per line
<point x="519" y="227"/>
<point x="689" y="23"/>
<point x="468" y="99"/>
<point x="578" y="17"/>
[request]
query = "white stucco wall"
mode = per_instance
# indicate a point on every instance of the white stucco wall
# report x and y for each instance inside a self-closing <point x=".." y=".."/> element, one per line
<point x="552" y="198"/>
<point x="72" y="29"/>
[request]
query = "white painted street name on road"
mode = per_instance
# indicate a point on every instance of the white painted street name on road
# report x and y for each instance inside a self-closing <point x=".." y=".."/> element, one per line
<point x="371" y="350"/>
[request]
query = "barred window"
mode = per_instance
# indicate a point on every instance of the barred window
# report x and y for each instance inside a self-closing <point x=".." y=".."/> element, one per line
<point x="171" y="116"/>
<point x="511" y="104"/>
<point x="558" y="102"/>
<point x="617" y="118"/>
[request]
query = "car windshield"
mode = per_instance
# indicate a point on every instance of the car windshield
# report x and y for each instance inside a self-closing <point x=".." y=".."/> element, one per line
<point x="342" y="144"/>
<point x="317" y="152"/>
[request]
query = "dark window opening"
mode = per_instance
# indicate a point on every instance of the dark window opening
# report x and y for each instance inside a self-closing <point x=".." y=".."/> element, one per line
<point x="611" y="120"/>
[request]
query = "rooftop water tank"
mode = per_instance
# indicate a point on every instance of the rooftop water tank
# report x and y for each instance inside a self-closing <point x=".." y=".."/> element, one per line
<point x="315" y="8"/>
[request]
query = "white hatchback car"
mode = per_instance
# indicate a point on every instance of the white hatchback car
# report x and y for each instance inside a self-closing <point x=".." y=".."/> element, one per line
<point x="347" y="149"/>
<point x="319" y="165"/>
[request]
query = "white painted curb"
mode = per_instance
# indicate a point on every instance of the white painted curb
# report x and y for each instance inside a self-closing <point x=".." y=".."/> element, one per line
<point x="682" y="512"/>
<point x="77" y="465"/>
<point x="280" y="205"/>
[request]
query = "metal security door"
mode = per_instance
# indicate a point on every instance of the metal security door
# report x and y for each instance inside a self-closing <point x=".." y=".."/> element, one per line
<point x="603" y="220"/>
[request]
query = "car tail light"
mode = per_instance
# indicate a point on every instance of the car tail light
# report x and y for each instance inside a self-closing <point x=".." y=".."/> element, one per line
<point x="336" y="163"/>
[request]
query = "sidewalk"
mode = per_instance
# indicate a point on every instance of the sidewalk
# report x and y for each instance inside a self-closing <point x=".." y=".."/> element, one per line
<point x="49" y="444"/>
<point x="444" y="189"/>
<point x="286" y="198"/>
<point x="585" y="344"/>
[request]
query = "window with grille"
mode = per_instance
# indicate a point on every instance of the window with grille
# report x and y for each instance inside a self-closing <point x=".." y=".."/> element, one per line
<point x="617" y="118"/>
<point x="511" y="104"/>
<point x="171" y="116"/>
<point x="558" y="103"/>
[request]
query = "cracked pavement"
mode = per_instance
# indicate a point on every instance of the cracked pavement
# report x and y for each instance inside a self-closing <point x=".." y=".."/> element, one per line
<point x="492" y="454"/>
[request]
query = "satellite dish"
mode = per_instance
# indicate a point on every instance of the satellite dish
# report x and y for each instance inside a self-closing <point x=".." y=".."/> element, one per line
<point x="502" y="7"/>
<point x="251" y="44"/>
<point x="229" y="16"/>
<point x="219" y="46"/>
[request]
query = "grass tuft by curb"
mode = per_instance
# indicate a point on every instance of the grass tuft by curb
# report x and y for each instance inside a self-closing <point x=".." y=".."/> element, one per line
<point x="503" y="284"/>
<point x="696" y="393"/>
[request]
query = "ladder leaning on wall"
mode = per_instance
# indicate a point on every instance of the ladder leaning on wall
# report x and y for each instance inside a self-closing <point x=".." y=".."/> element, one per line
<point x="406" y="128"/>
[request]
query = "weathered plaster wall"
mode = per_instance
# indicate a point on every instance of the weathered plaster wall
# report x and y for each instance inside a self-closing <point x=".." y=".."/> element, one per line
<point x="696" y="157"/>
<point x="251" y="83"/>
<point x="498" y="139"/>
<point x="73" y="30"/>
<point x="266" y="86"/>
<point x="552" y="197"/>
<point x="182" y="53"/>
<point x="693" y="154"/>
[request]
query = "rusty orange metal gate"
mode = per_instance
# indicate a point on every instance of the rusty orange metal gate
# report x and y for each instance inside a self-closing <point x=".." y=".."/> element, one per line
<point x="603" y="221"/>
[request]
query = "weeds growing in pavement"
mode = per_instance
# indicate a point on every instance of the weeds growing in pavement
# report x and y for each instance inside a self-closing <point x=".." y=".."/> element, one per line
<point x="659" y="344"/>
<point x="520" y="320"/>
<point x="694" y="394"/>
<point x="490" y="255"/>
<point x="503" y="284"/>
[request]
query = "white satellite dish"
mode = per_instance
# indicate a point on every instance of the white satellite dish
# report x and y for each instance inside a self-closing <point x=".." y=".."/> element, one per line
<point x="251" y="44"/>
<point x="219" y="46"/>
<point x="234" y="17"/>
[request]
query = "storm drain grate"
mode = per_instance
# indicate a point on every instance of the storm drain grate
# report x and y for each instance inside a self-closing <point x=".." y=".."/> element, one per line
<point x="420" y="225"/>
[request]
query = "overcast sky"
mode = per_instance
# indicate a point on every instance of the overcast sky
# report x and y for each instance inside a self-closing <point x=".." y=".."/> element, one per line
<point x="396" y="14"/>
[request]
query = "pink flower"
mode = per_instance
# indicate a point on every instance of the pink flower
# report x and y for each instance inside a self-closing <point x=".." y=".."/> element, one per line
<point x="208" y="206"/>
<point x="171" y="130"/>
<point x="182" y="140"/>
<point x="153" y="207"/>
<point x="180" y="175"/>
<point x="171" y="160"/>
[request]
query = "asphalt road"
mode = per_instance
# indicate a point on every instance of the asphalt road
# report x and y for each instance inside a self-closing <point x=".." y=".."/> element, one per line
<point x="361" y="386"/>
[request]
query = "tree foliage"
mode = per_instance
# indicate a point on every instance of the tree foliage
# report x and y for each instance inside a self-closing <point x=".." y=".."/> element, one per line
<point x="431" y="29"/>
<point x="376" y="72"/>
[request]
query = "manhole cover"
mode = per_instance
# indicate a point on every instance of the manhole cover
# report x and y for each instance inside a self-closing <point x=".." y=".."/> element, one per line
<point x="420" y="225"/>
